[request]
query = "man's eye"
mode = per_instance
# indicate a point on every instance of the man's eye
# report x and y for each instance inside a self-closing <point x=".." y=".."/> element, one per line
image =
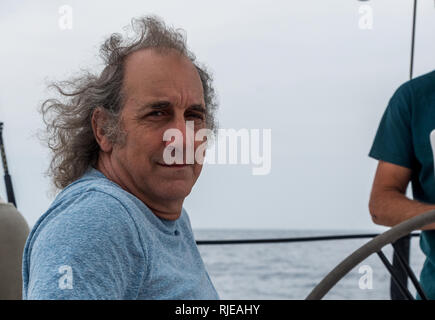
<point x="196" y="116"/>
<point x="156" y="113"/>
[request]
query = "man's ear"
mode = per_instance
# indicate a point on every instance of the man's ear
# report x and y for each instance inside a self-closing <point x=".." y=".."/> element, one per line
<point x="99" y="117"/>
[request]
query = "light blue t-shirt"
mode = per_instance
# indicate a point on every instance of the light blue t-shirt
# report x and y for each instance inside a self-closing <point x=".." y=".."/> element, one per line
<point x="97" y="241"/>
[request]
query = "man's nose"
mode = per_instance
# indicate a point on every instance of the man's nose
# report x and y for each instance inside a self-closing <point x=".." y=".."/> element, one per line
<point x="185" y="133"/>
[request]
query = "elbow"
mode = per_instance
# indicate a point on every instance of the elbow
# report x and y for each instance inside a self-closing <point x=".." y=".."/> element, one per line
<point x="373" y="212"/>
<point x="377" y="213"/>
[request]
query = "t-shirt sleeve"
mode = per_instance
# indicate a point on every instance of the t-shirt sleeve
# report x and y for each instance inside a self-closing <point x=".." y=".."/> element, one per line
<point x="393" y="140"/>
<point x="91" y="250"/>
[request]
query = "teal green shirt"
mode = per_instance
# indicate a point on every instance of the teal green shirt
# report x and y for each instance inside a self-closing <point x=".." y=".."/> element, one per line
<point x="403" y="139"/>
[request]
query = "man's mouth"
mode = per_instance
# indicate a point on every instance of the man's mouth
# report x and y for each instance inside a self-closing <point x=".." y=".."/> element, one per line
<point x="173" y="165"/>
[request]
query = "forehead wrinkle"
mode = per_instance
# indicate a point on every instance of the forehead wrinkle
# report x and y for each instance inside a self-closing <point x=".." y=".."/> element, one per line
<point x="172" y="88"/>
<point x="177" y="97"/>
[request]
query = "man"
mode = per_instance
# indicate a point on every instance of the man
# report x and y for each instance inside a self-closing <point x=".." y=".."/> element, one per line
<point x="118" y="230"/>
<point x="403" y="148"/>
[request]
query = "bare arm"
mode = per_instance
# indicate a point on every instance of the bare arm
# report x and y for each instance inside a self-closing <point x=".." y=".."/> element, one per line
<point x="388" y="203"/>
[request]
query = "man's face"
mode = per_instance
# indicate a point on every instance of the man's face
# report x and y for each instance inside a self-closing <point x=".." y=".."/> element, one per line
<point x="162" y="91"/>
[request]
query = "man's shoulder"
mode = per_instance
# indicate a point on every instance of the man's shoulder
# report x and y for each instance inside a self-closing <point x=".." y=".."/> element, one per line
<point x="94" y="193"/>
<point x="413" y="96"/>
<point x="424" y="79"/>
<point x="420" y="86"/>
<point x="87" y="214"/>
<point x="89" y="205"/>
<point x="89" y="228"/>
<point x="86" y="222"/>
<point x="94" y="183"/>
<point x="93" y="202"/>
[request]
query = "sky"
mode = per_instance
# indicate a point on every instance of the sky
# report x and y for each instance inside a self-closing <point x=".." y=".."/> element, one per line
<point x="306" y="70"/>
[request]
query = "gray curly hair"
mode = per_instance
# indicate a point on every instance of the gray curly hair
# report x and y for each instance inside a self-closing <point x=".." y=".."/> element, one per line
<point x="69" y="132"/>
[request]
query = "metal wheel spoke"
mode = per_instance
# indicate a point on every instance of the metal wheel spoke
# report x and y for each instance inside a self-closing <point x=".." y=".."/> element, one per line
<point x="394" y="276"/>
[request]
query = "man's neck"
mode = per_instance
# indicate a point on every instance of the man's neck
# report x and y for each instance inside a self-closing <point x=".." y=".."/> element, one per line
<point x="168" y="210"/>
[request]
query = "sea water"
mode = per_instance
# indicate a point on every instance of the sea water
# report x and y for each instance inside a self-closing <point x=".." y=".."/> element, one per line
<point x="292" y="270"/>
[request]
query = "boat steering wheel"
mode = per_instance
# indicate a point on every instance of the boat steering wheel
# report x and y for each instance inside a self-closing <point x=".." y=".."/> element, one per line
<point x="375" y="246"/>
